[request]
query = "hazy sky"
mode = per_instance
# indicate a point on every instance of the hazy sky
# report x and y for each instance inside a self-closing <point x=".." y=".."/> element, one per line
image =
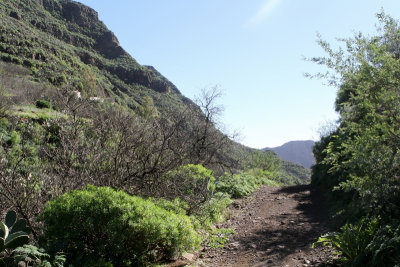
<point x="252" y="49"/>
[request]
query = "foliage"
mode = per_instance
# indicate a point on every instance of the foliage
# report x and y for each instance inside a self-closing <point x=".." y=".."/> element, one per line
<point x="37" y="257"/>
<point x="352" y="241"/>
<point x="358" y="164"/>
<point x="43" y="104"/>
<point x="100" y="223"/>
<point x="193" y="184"/>
<point x="263" y="160"/>
<point x="384" y="250"/>
<point x="144" y="138"/>
<point x="219" y="237"/>
<point x="368" y="105"/>
<point x="147" y="109"/>
<point x="13" y="233"/>
<point x="191" y="189"/>
<point x="213" y="211"/>
<point x="243" y="183"/>
<point x="366" y="243"/>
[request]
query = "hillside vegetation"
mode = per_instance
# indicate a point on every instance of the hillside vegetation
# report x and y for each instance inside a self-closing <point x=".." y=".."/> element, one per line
<point x="103" y="160"/>
<point x="63" y="42"/>
<point x="358" y="163"/>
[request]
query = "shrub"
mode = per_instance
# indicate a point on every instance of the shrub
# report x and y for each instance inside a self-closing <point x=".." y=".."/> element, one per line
<point x="214" y="210"/>
<point x="352" y="241"/>
<point x="384" y="249"/>
<point x="29" y="255"/>
<point x="15" y="139"/>
<point x="43" y="104"/>
<point x="243" y="184"/>
<point x="193" y="184"/>
<point x="101" y="223"/>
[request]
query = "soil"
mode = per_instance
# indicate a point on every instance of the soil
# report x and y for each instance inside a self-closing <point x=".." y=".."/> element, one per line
<point x="276" y="226"/>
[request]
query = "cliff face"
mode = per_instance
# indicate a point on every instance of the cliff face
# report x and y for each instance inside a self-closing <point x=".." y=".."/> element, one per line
<point x="58" y="39"/>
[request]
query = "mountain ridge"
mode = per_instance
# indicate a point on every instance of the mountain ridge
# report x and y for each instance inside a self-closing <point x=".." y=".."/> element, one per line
<point x="299" y="152"/>
<point x="59" y="40"/>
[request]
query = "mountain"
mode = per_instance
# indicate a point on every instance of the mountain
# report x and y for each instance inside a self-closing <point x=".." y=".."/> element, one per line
<point x="64" y="43"/>
<point x="299" y="152"/>
<point x="61" y="46"/>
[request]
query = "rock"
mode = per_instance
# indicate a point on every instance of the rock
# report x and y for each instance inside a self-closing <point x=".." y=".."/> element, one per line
<point x="235" y="244"/>
<point x="15" y="15"/>
<point x="253" y="245"/>
<point x="80" y="14"/>
<point x="292" y="222"/>
<point x="200" y="264"/>
<point x="188" y="256"/>
<point x="280" y="246"/>
<point x="307" y="261"/>
<point x="278" y="234"/>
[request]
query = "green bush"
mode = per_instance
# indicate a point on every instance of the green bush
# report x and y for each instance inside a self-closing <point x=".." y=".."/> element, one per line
<point x="15" y="139"/>
<point x="244" y="183"/>
<point x="193" y="184"/>
<point x="352" y="241"/>
<point x="43" y="104"/>
<point x="384" y="249"/>
<point x="37" y="257"/>
<point x="213" y="211"/>
<point x="101" y="223"/>
<point x="237" y="185"/>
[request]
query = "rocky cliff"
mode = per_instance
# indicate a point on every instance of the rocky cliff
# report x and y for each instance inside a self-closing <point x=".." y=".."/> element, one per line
<point x="59" y="40"/>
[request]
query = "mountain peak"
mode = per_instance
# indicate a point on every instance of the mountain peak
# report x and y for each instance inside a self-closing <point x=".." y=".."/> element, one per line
<point x="299" y="151"/>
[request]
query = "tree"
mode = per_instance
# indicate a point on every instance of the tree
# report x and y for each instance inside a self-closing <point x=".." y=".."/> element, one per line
<point x="363" y="152"/>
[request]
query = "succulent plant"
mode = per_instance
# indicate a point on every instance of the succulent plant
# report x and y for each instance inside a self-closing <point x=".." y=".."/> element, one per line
<point x="13" y="233"/>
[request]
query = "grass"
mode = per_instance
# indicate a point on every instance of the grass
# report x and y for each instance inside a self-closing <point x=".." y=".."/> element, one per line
<point x="32" y="112"/>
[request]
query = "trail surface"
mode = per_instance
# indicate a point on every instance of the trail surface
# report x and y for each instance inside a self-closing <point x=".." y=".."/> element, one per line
<point x="276" y="226"/>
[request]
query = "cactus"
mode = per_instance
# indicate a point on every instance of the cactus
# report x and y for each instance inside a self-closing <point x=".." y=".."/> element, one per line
<point x="13" y="233"/>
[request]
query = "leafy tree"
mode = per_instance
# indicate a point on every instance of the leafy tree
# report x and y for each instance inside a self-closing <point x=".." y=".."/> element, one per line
<point x="147" y="109"/>
<point x="359" y="162"/>
<point x="366" y="143"/>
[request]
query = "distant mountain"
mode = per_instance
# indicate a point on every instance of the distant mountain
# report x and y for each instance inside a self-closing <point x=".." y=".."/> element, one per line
<point x="299" y="152"/>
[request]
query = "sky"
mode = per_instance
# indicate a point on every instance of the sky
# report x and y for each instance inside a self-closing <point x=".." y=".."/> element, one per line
<point x="252" y="50"/>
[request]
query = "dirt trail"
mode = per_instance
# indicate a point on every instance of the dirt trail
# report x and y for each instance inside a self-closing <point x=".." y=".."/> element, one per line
<point x="276" y="226"/>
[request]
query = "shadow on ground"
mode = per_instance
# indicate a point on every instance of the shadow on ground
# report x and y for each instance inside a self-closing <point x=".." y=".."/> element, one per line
<point x="294" y="231"/>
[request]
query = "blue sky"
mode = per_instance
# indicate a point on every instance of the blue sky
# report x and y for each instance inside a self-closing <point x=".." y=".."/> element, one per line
<point x="252" y="50"/>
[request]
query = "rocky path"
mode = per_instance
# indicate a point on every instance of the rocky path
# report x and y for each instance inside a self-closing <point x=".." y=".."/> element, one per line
<point x="276" y="226"/>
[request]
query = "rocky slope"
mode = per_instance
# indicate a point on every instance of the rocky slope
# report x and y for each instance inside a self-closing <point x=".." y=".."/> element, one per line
<point x="62" y="44"/>
<point x="65" y="44"/>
